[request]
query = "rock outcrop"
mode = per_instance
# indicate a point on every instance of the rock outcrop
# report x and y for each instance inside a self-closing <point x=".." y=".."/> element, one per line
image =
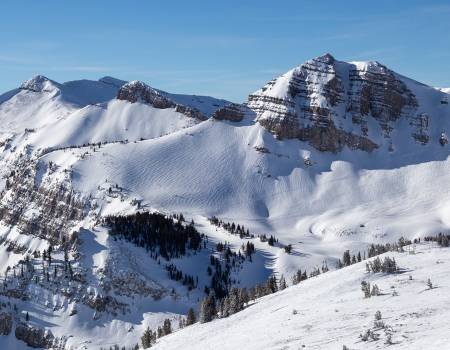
<point x="137" y="91"/>
<point x="5" y="323"/>
<point x="232" y="112"/>
<point x="329" y="103"/>
<point x="34" y="337"/>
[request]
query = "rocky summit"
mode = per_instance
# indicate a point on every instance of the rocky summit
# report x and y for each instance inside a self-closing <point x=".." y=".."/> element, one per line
<point x="333" y="104"/>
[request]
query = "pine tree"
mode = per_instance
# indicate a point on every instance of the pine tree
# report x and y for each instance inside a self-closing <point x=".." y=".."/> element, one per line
<point x="282" y="283"/>
<point x="167" y="326"/>
<point x="375" y="291"/>
<point x="346" y="259"/>
<point x="208" y="309"/>
<point x="271" y="285"/>
<point x="190" y="318"/>
<point x="147" y="338"/>
<point x="365" y="287"/>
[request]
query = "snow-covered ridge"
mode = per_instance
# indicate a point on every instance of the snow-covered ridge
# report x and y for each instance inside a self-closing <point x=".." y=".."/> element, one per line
<point x="137" y="91"/>
<point x="39" y="83"/>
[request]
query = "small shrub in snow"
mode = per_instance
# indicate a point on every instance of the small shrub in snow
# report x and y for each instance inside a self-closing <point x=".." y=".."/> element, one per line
<point x="389" y="339"/>
<point x="378" y="322"/>
<point x="365" y="287"/>
<point x="375" y="291"/>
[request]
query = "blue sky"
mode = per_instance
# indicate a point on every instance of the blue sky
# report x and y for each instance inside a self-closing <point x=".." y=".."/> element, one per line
<point x="221" y="48"/>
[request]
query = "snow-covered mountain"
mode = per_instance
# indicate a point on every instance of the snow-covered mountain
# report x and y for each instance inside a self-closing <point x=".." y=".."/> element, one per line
<point x="328" y="157"/>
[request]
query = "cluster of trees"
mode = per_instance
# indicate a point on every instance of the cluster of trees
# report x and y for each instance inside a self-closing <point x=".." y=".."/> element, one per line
<point x="271" y="240"/>
<point x="221" y="280"/>
<point x="157" y="233"/>
<point x="372" y="251"/>
<point x="178" y="275"/>
<point x="221" y="277"/>
<point x="300" y="276"/>
<point x="117" y="347"/>
<point x="149" y="337"/>
<point x="25" y="271"/>
<point x="377" y="249"/>
<point x="237" y="299"/>
<point x="441" y="239"/>
<point x="387" y="265"/>
<point x="92" y="145"/>
<point x="231" y="227"/>
<point x="190" y="319"/>
<point x="248" y="249"/>
<point x="348" y="259"/>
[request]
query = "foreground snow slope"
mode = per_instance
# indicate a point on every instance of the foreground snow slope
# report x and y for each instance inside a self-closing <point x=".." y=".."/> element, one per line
<point x="330" y="311"/>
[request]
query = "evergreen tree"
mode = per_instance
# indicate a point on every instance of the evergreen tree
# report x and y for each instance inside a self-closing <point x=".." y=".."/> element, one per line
<point x="167" y="326"/>
<point x="365" y="287"/>
<point x="208" y="309"/>
<point x="346" y="259"/>
<point x="282" y="283"/>
<point x="190" y="319"/>
<point x="147" y="338"/>
<point x="271" y="285"/>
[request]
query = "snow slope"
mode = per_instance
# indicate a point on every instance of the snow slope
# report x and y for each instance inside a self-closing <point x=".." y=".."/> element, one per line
<point x="330" y="311"/>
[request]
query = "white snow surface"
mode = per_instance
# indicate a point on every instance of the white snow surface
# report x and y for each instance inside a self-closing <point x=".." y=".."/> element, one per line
<point x="330" y="311"/>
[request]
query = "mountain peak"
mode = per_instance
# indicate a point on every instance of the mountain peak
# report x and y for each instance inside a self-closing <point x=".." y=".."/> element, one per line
<point x="330" y="103"/>
<point x="326" y="58"/>
<point x="138" y="91"/>
<point x="39" y="83"/>
<point x="112" y="81"/>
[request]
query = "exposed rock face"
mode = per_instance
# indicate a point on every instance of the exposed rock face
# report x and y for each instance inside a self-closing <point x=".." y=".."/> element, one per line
<point x="34" y="337"/>
<point x="328" y="103"/>
<point x="56" y="207"/>
<point x="375" y="91"/>
<point x="233" y="112"/>
<point x="5" y="323"/>
<point x="190" y="112"/>
<point x="137" y="91"/>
